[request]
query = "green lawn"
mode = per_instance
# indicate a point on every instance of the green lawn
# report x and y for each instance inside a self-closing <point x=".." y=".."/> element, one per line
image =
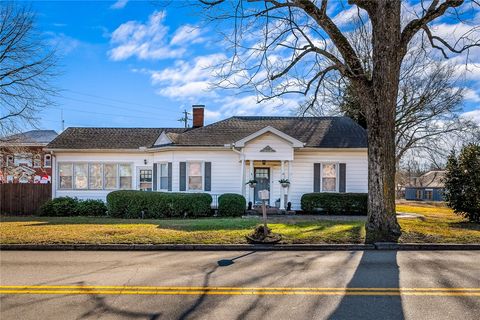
<point x="439" y="224"/>
<point x="206" y="231"/>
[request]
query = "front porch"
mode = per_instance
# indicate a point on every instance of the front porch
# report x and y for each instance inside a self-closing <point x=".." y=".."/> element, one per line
<point x="267" y="173"/>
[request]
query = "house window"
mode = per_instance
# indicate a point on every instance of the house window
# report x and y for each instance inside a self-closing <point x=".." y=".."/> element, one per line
<point x="37" y="161"/>
<point x="146" y="178"/>
<point x="95" y="176"/>
<point x="110" y="175"/>
<point x="47" y="161"/>
<point x="329" y="177"/>
<point x="65" y="173"/>
<point x="195" y="176"/>
<point x="418" y="194"/>
<point x="163" y="176"/>
<point x="125" y="176"/>
<point x="80" y="171"/>
<point x="10" y="161"/>
<point x="428" y="194"/>
<point x="1" y="160"/>
<point x="23" y="159"/>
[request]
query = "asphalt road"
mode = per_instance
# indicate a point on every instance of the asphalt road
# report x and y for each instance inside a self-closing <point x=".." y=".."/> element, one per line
<point x="240" y="285"/>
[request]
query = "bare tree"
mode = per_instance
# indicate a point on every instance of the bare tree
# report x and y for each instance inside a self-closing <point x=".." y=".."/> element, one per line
<point x="318" y="49"/>
<point x="27" y="67"/>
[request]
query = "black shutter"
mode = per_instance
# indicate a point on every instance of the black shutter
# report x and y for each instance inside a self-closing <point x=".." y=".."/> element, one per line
<point x="342" y="184"/>
<point x="154" y="178"/>
<point x="316" y="177"/>
<point x="208" y="176"/>
<point x="183" y="176"/>
<point x="169" y="176"/>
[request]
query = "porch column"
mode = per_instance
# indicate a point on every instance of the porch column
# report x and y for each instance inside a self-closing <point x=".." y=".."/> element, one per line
<point x="242" y="179"/>
<point x="282" y="189"/>
<point x="287" y="196"/>
<point x="251" y="190"/>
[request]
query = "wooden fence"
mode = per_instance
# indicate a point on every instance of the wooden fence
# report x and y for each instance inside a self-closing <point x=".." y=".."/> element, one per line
<point x="23" y="198"/>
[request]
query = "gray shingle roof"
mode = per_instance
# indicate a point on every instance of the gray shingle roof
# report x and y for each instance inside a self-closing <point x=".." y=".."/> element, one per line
<point x="317" y="132"/>
<point x="31" y="137"/>
<point x="108" y="138"/>
<point x="431" y="179"/>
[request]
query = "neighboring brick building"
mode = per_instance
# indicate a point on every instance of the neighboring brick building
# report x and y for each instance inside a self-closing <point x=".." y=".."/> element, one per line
<point x="22" y="159"/>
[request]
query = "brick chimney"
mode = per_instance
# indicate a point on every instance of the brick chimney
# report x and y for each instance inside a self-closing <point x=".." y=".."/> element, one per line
<point x="198" y="113"/>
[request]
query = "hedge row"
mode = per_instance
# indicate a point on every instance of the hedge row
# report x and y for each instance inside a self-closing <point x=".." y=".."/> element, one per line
<point x="231" y="204"/>
<point x="67" y="207"/>
<point x="131" y="203"/>
<point x="335" y="203"/>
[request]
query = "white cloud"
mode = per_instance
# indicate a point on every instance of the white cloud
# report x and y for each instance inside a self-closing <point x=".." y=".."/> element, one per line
<point x="63" y="43"/>
<point x="471" y="95"/>
<point x="150" y="40"/>
<point x="119" y="4"/>
<point x="472" y="115"/>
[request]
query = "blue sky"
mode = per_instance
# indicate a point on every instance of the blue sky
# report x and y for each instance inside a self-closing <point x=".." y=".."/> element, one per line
<point x="139" y="64"/>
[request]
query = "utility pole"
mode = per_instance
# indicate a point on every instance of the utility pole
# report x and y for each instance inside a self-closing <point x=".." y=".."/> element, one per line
<point x="185" y="118"/>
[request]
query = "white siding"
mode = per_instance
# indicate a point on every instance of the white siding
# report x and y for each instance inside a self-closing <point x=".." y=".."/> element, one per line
<point x="301" y="176"/>
<point x="283" y="149"/>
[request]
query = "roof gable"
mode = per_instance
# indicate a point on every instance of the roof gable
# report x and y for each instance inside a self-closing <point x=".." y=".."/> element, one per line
<point x="163" y="139"/>
<point x="295" y="143"/>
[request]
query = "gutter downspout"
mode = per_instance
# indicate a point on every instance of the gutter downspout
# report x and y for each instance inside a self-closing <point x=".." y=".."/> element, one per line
<point x="242" y="169"/>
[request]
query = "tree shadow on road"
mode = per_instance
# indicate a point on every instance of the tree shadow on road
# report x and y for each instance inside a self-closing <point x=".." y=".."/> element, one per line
<point x="377" y="269"/>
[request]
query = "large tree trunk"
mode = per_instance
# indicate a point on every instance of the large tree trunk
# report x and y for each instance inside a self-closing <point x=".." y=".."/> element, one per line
<point x="382" y="223"/>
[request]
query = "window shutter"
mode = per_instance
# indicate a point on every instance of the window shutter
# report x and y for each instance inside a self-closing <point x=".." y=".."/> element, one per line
<point x="183" y="176"/>
<point x="169" y="176"/>
<point x="154" y="177"/>
<point x="342" y="184"/>
<point x="316" y="177"/>
<point x="208" y="176"/>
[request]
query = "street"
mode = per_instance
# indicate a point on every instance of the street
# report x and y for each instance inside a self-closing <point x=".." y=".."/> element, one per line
<point x="240" y="285"/>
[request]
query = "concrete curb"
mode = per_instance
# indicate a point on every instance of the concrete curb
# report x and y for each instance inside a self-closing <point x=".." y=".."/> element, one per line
<point x="240" y="247"/>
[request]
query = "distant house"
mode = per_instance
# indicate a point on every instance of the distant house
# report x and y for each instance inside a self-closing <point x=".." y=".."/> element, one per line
<point x="22" y="158"/>
<point x="316" y="154"/>
<point x="428" y="187"/>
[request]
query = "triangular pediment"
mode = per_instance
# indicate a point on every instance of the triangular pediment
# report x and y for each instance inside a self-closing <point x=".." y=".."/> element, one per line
<point x="162" y="139"/>
<point x="294" y="142"/>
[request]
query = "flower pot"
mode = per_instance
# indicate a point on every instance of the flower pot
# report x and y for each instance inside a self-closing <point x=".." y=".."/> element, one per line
<point x="252" y="185"/>
<point x="285" y="185"/>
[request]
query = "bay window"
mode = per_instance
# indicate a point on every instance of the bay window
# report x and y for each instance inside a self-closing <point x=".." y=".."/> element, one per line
<point x="110" y="175"/>
<point x="125" y="176"/>
<point x="95" y="176"/>
<point x="195" y="176"/>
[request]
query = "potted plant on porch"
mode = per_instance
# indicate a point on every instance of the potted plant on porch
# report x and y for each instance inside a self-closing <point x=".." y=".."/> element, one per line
<point x="252" y="183"/>
<point x="284" y="182"/>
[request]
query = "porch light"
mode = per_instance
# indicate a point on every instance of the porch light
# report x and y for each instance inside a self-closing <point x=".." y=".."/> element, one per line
<point x="264" y="162"/>
<point x="145" y="161"/>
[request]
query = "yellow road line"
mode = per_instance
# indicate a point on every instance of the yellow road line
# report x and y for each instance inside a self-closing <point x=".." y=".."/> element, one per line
<point x="243" y="292"/>
<point x="228" y="288"/>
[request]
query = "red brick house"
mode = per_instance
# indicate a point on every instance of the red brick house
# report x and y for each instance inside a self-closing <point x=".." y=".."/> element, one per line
<point x="22" y="158"/>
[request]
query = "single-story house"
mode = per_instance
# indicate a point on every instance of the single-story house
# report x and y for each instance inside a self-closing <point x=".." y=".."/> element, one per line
<point x="316" y="154"/>
<point x="428" y="187"/>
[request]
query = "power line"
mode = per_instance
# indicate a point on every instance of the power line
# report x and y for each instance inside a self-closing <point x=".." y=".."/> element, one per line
<point x="107" y="114"/>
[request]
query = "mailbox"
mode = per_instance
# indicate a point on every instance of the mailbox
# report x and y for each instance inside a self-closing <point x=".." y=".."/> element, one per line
<point x="264" y="194"/>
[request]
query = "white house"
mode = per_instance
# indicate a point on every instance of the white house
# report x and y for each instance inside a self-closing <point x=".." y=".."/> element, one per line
<point x="316" y="154"/>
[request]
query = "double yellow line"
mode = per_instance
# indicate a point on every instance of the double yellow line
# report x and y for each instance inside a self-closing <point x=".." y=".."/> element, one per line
<point x="151" y="290"/>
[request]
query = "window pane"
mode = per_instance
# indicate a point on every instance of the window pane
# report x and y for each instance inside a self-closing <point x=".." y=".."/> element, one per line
<point x="329" y="171"/>
<point x="125" y="176"/>
<point x="195" y="169"/>
<point x="65" y="174"/>
<point x="47" y="161"/>
<point x="110" y="175"/>
<point x="80" y="173"/>
<point x="95" y="177"/>
<point x="164" y="183"/>
<point x="329" y="184"/>
<point x="163" y="170"/>
<point x="195" y="183"/>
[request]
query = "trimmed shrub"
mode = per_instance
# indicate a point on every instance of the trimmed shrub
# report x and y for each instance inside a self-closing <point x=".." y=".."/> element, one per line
<point x="91" y="208"/>
<point x="335" y="203"/>
<point x="131" y="203"/>
<point x="60" y="207"/>
<point x="231" y="204"/>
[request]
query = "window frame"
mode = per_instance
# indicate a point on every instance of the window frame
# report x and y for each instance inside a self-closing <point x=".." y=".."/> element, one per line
<point x="159" y="182"/>
<point x="202" y="177"/>
<point x="45" y="161"/>
<point x="10" y="161"/>
<point x="337" y="175"/>
<point x="89" y="163"/>
<point x="37" y="157"/>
